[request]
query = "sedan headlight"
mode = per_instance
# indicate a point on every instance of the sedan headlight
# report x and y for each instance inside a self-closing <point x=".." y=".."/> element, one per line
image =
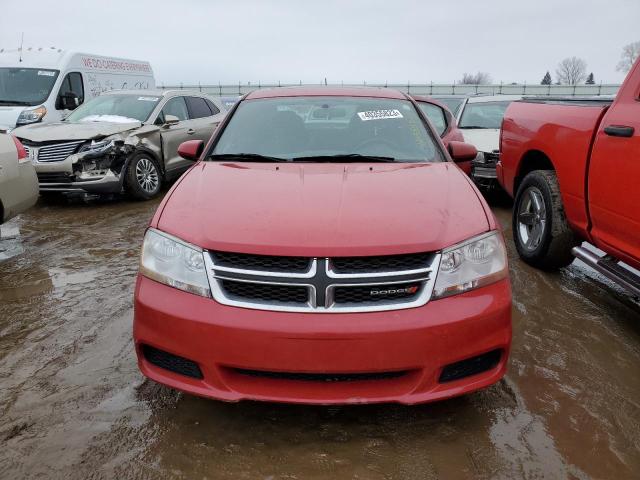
<point x="169" y="260"/>
<point x="474" y="263"/>
<point x="31" y="115"/>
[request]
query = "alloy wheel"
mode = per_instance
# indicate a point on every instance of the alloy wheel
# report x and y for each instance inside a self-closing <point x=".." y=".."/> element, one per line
<point x="532" y="218"/>
<point x="147" y="175"/>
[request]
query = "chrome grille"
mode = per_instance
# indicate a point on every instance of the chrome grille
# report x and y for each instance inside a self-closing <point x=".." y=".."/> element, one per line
<point x="322" y="285"/>
<point x="53" y="152"/>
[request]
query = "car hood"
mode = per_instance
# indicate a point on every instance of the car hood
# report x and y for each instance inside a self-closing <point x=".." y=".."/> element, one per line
<point x="9" y="115"/>
<point x="323" y="209"/>
<point x="45" y="132"/>
<point x="485" y="140"/>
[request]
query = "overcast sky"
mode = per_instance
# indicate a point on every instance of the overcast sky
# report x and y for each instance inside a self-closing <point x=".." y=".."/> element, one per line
<point x="228" y="41"/>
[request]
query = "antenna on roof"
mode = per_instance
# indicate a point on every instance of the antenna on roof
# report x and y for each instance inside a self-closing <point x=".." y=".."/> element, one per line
<point x="21" y="43"/>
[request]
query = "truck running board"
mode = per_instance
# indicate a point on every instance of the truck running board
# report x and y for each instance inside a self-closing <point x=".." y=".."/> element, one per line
<point x="610" y="269"/>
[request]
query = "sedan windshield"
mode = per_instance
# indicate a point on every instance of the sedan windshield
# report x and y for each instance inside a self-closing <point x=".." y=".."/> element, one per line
<point x="327" y="129"/>
<point x="452" y="103"/>
<point x="116" y="108"/>
<point x="25" y="86"/>
<point x="483" y="115"/>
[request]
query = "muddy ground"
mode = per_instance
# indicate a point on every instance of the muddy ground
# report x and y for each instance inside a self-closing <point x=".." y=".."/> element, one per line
<point x="73" y="404"/>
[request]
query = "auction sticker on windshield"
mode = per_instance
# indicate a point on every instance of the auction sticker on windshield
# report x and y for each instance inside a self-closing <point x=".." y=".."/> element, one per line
<point x="46" y="73"/>
<point x="148" y="99"/>
<point x="379" y="114"/>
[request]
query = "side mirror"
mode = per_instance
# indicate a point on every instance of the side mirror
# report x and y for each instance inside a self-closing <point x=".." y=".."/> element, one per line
<point x="191" y="149"/>
<point x="69" y="101"/>
<point x="170" y="120"/>
<point x="462" y="153"/>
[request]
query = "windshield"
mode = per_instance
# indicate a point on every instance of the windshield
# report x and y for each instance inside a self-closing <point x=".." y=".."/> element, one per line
<point x="452" y="103"/>
<point x="26" y="86"/>
<point x="304" y="128"/>
<point x="483" y="115"/>
<point x="115" y="108"/>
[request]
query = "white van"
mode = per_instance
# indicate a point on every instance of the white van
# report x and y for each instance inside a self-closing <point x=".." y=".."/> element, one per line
<point x="43" y="85"/>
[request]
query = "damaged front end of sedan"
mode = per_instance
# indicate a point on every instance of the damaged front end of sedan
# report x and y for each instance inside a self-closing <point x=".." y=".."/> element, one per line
<point x="101" y="159"/>
<point x="99" y="164"/>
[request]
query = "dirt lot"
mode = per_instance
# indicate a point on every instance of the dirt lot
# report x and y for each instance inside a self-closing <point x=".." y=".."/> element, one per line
<point x="73" y="404"/>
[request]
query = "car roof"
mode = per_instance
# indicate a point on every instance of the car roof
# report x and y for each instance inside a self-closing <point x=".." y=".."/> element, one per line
<point x="494" y="98"/>
<point x="157" y="92"/>
<point x="326" y="91"/>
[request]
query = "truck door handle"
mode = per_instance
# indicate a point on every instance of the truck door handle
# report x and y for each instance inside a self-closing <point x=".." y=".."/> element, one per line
<point x="191" y="131"/>
<point x="619" y="131"/>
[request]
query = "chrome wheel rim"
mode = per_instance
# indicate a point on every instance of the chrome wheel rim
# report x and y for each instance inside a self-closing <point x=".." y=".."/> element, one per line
<point x="532" y="218"/>
<point x="147" y="175"/>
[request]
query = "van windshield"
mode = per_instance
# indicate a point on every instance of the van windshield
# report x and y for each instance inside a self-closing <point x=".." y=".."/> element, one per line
<point x="116" y="108"/>
<point x="326" y="129"/>
<point x="26" y="86"/>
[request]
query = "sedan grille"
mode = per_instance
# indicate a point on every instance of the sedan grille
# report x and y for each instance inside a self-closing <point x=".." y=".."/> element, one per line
<point x="324" y="285"/>
<point x="266" y="292"/>
<point x="381" y="263"/>
<point x="376" y="293"/>
<point x="51" y="152"/>
<point x="261" y="262"/>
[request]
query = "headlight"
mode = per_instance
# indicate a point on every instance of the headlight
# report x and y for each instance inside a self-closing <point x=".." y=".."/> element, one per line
<point x="173" y="262"/>
<point x="98" y="147"/>
<point x="471" y="264"/>
<point x="31" y="115"/>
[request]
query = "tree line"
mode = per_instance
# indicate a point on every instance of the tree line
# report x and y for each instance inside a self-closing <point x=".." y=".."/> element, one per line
<point x="570" y="71"/>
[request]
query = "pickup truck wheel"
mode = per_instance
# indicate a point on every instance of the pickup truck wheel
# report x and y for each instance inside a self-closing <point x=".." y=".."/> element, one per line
<point x="540" y="229"/>
<point x="143" y="178"/>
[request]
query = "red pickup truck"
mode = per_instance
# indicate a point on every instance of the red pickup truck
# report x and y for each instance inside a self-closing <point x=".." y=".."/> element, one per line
<point x="573" y="166"/>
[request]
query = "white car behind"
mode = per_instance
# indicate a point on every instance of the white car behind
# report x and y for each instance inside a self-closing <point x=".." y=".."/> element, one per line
<point x="479" y="119"/>
<point x="18" y="180"/>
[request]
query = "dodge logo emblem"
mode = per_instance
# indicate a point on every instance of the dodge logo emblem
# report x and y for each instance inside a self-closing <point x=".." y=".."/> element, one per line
<point x="393" y="291"/>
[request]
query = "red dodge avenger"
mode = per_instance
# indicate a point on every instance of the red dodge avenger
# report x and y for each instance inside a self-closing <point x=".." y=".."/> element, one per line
<point x="324" y="248"/>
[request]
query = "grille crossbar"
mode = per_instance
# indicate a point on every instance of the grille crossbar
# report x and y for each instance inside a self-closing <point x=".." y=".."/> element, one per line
<point x="318" y="285"/>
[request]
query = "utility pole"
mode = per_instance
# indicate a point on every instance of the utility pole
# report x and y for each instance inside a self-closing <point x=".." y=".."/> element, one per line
<point x="21" y="45"/>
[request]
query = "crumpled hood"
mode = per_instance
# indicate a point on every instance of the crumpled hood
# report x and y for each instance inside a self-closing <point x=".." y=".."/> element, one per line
<point x="323" y="209"/>
<point x="485" y="140"/>
<point x="45" y="132"/>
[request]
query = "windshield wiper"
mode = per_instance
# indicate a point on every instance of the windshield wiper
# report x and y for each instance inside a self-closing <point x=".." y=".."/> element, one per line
<point x="349" y="157"/>
<point x="15" y="102"/>
<point x="246" y="157"/>
<point x="474" y="127"/>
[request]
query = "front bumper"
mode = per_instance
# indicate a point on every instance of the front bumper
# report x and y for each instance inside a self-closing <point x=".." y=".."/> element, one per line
<point x="483" y="168"/>
<point x="109" y="183"/>
<point x="225" y="341"/>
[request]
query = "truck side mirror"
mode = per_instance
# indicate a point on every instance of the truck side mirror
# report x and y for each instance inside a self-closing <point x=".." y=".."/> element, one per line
<point x="69" y="101"/>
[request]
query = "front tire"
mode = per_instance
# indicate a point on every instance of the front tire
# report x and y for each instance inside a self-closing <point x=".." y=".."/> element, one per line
<point x="143" y="178"/>
<point x="540" y="230"/>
